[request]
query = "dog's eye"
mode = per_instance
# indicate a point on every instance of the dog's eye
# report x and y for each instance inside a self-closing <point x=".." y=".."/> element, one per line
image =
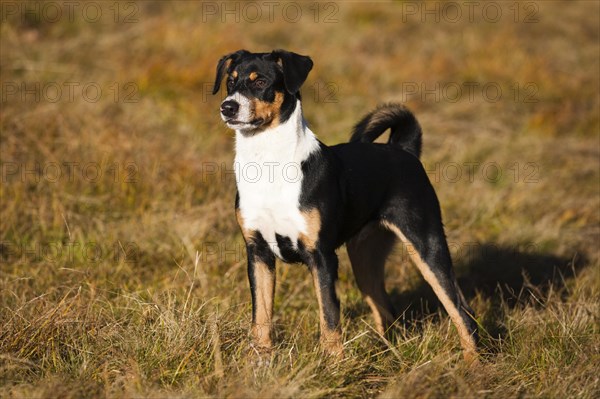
<point x="230" y="84"/>
<point x="260" y="83"/>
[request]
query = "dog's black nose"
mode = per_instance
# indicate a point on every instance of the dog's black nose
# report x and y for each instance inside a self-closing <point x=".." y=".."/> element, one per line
<point x="229" y="108"/>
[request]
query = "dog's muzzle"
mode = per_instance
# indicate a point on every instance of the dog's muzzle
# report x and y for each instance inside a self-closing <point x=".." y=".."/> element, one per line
<point x="236" y="113"/>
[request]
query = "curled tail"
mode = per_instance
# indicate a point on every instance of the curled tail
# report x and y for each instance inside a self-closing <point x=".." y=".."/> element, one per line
<point x="405" y="130"/>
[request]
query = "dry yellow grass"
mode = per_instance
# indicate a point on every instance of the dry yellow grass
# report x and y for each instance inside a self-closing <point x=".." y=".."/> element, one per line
<point x="122" y="271"/>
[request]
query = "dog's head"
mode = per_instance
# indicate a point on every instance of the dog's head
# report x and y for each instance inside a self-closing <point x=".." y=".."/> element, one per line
<point x="262" y="88"/>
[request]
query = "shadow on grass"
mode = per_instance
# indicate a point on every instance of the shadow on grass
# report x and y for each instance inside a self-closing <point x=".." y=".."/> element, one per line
<point x="496" y="272"/>
<point x="507" y="277"/>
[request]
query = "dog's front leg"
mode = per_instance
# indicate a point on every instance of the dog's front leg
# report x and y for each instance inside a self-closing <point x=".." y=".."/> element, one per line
<point x="324" y="267"/>
<point x="261" y="274"/>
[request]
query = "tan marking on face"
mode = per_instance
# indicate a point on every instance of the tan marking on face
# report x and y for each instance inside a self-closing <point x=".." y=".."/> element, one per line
<point x="313" y="227"/>
<point x="265" y="293"/>
<point x="253" y="76"/>
<point x="234" y="74"/>
<point x="248" y="234"/>
<point x="466" y="339"/>
<point x="268" y="111"/>
<point x="331" y="339"/>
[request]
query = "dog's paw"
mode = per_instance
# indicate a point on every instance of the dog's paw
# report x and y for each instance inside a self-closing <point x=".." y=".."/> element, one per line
<point x="471" y="359"/>
<point x="334" y="349"/>
<point x="260" y="356"/>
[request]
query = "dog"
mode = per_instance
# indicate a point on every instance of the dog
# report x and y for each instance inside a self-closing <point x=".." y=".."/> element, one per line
<point x="306" y="199"/>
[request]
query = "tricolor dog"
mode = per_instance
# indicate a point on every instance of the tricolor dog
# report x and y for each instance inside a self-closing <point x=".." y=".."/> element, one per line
<point x="306" y="199"/>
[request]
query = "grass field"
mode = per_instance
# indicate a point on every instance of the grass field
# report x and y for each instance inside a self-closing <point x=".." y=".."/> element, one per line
<point x="122" y="270"/>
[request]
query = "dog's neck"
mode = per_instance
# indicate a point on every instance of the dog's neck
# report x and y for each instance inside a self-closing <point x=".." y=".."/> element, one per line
<point x="288" y="142"/>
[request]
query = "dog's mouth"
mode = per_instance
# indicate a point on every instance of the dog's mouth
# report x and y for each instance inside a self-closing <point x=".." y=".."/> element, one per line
<point x="242" y="125"/>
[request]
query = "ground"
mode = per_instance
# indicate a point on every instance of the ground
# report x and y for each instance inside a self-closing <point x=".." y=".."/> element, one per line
<point x="122" y="269"/>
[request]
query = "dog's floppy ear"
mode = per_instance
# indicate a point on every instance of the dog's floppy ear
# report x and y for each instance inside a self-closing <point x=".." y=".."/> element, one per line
<point x="224" y="64"/>
<point x="295" y="68"/>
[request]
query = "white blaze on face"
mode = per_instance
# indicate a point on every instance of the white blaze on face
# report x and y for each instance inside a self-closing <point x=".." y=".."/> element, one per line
<point x="243" y="118"/>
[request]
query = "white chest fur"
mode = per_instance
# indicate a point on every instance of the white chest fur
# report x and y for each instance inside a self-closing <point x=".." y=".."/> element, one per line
<point x="269" y="178"/>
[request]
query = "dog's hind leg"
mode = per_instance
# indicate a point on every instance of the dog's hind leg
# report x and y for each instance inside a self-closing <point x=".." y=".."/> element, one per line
<point x="427" y="247"/>
<point x="368" y="251"/>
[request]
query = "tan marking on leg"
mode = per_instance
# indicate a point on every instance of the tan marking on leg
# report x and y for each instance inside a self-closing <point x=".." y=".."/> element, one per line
<point x="248" y="234"/>
<point x="376" y="315"/>
<point x="466" y="340"/>
<point x="368" y="251"/>
<point x="265" y="290"/>
<point x="331" y="339"/>
<point x="253" y="76"/>
<point x="268" y="111"/>
<point x="313" y="227"/>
